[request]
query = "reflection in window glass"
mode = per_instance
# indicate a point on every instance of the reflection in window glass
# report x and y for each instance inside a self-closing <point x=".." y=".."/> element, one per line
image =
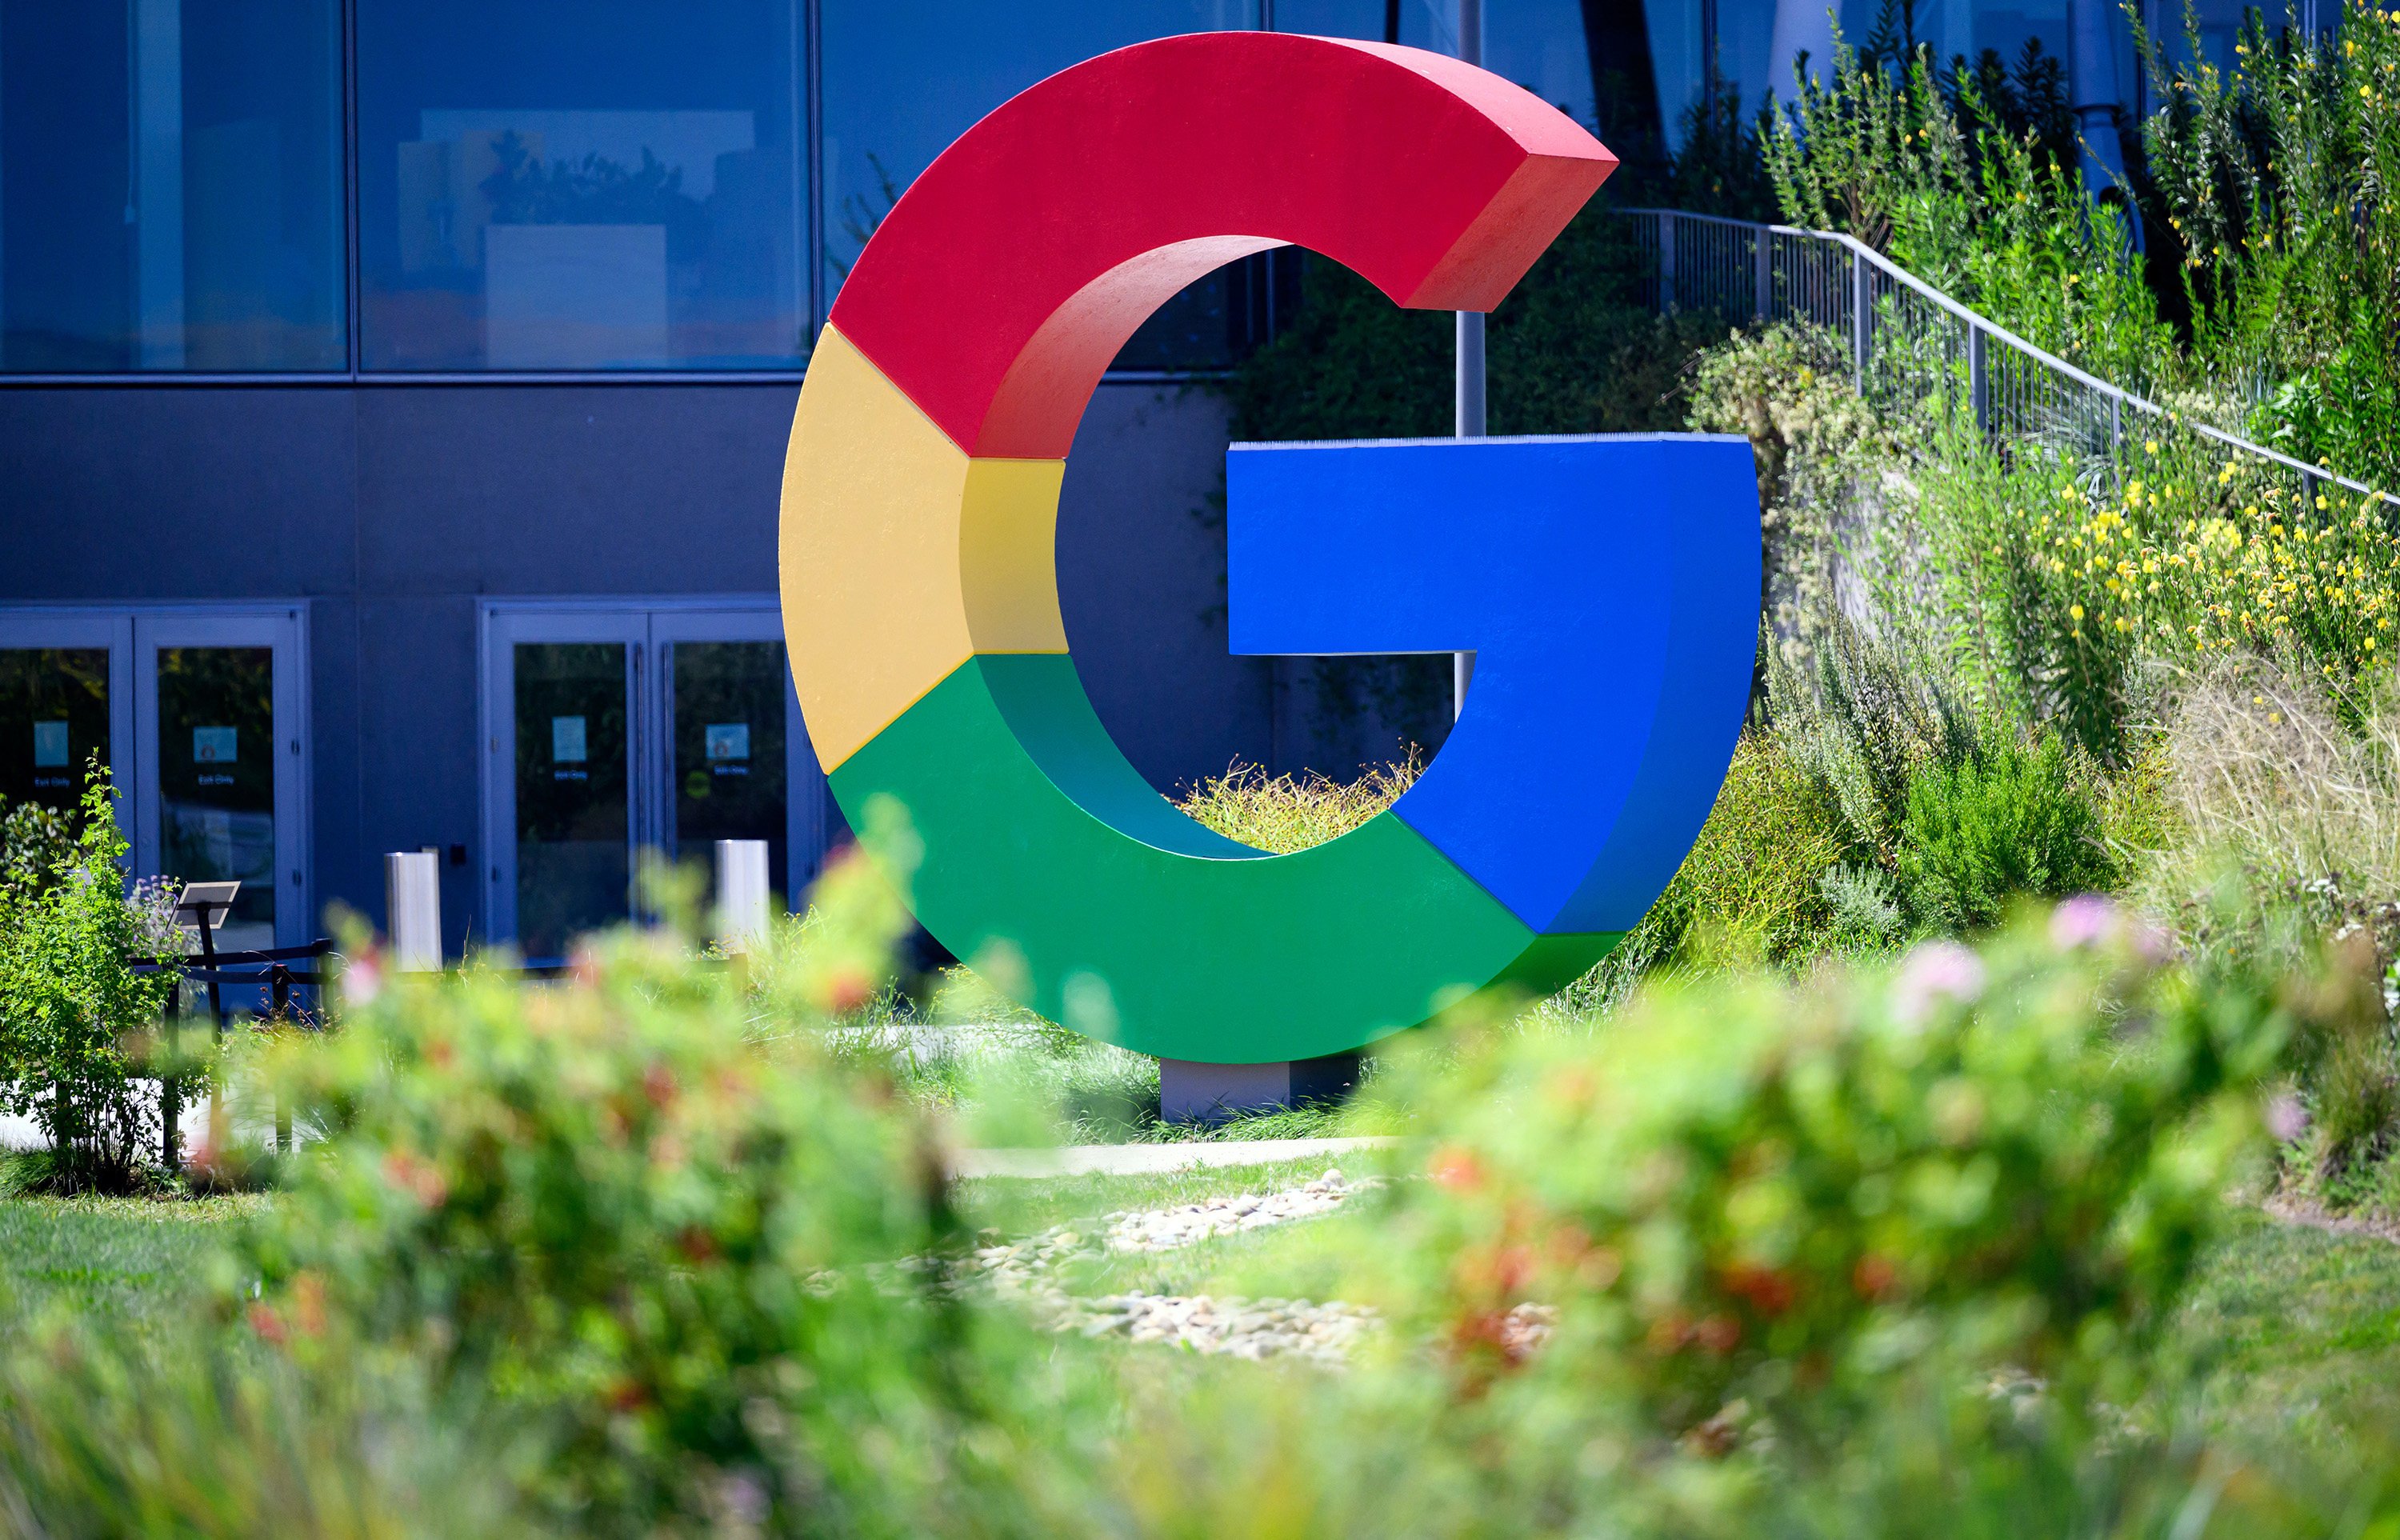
<point x="217" y="779"/>
<point x="614" y="184"/>
<point x="903" y="79"/>
<point x="1539" y="43"/>
<point x="574" y="853"/>
<point x="171" y="176"/>
<point x="729" y="750"/>
<point x="53" y="719"/>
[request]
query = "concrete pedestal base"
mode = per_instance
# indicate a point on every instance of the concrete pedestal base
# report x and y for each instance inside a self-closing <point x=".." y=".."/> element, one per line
<point x="1193" y="1092"/>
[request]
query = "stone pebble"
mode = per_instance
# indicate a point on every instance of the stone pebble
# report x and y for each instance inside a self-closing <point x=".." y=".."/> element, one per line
<point x="1240" y="1328"/>
<point x="1256" y="1329"/>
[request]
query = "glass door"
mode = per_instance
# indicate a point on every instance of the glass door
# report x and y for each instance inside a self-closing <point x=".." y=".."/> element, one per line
<point x="200" y="714"/>
<point x="727" y="716"/>
<point x="612" y="731"/>
<point x="66" y="698"/>
<point x="221" y="766"/>
<point x="563" y="696"/>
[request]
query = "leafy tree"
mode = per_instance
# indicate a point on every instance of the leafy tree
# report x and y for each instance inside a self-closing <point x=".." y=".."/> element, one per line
<point x="71" y="1013"/>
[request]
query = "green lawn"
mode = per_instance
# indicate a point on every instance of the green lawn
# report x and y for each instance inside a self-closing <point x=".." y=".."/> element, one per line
<point x="124" y="1264"/>
<point x="2294" y="1332"/>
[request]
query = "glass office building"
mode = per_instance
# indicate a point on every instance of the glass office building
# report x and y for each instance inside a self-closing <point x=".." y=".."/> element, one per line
<point x="393" y="393"/>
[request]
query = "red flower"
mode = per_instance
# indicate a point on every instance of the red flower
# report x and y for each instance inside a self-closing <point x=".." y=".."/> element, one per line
<point x="1718" y="1334"/>
<point x="1455" y="1169"/>
<point x="848" y="990"/>
<point x="1765" y="1289"/>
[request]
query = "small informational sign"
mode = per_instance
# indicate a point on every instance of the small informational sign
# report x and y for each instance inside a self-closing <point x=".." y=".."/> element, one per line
<point x="49" y="745"/>
<point x="215" y="746"/>
<point x="567" y="740"/>
<point x="728" y="741"/>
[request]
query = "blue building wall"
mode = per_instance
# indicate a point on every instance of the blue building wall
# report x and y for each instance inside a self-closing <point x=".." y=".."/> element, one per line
<point x="391" y="511"/>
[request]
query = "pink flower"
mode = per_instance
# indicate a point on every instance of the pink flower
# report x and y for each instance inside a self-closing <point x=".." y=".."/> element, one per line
<point x="2092" y="919"/>
<point x="2286" y="1119"/>
<point x="1933" y="973"/>
<point x="363" y="979"/>
<point x="2084" y="921"/>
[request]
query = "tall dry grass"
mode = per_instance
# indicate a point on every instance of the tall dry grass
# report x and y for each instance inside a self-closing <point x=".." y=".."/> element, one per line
<point x="2262" y="773"/>
<point x="2297" y="816"/>
<point x="1282" y="813"/>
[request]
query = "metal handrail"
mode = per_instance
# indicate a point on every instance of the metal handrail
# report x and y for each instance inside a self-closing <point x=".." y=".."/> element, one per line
<point x="1727" y="273"/>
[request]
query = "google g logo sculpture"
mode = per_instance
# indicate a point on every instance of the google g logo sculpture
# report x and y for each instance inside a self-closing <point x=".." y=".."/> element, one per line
<point x="1609" y="586"/>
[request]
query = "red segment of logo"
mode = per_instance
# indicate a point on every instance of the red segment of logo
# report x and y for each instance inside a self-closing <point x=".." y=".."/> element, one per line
<point x="1005" y="279"/>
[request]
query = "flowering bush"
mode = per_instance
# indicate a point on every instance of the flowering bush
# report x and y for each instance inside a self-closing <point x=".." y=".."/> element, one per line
<point x="2211" y="553"/>
<point x="1791" y="1199"/>
<point x="658" y="1252"/>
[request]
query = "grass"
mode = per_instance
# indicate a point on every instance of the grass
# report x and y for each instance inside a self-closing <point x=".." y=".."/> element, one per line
<point x="1284" y="813"/>
<point x="2296" y="1331"/>
<point x="126" y="1263"/>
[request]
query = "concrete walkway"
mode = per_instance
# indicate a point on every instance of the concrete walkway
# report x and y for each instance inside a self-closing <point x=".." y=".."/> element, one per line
<point x="1124" y="1160"/>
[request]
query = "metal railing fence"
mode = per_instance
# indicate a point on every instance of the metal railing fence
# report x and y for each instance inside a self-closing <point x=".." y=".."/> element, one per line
<point x="1910" y="342"/>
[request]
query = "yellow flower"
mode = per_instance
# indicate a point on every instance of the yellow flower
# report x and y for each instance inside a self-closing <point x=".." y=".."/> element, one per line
<point x="2075" y="612"/>
<point x="2150" y="446"/>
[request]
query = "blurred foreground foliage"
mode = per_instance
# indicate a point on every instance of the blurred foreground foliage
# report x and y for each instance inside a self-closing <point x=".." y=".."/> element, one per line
<point x="656" y="1248"/>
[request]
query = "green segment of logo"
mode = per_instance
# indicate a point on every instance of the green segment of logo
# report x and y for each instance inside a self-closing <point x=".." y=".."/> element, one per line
<point x="1207" y="949"/>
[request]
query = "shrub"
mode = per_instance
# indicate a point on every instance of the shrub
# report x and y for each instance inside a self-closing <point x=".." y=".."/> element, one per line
<point x="1975" y="204"/>
<point x="2019" y="819"/>
<point x="2274" y="179"/>
<point x="72" y="1016"/>
<point x="673" y="1259"/>
<point x="1767" y="1213"/>
<point x="1860" y="714"/>
<point x="1787" y="388"/>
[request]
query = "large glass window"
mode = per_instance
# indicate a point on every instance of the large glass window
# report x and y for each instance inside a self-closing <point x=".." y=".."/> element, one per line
<point x="618" y="183"/>
<point x="1541" y="45"/>
<point x="902" y="79"/>
<point x="170" y="178"/>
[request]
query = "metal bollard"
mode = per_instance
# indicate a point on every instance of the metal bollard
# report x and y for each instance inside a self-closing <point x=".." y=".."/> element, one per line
<point x="412" y="890"/>
<point x="741" y="900"/>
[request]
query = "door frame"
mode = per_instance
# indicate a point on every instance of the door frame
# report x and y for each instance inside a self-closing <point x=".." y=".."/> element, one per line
<point x="500" y="628"/>
<point x="133" y="633"/>
<point x="28" y="626"/>
<point x="649" y="625"/>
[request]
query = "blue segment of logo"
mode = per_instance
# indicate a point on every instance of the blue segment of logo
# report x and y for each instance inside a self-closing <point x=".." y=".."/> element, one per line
<point x="1609" y="588"/>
